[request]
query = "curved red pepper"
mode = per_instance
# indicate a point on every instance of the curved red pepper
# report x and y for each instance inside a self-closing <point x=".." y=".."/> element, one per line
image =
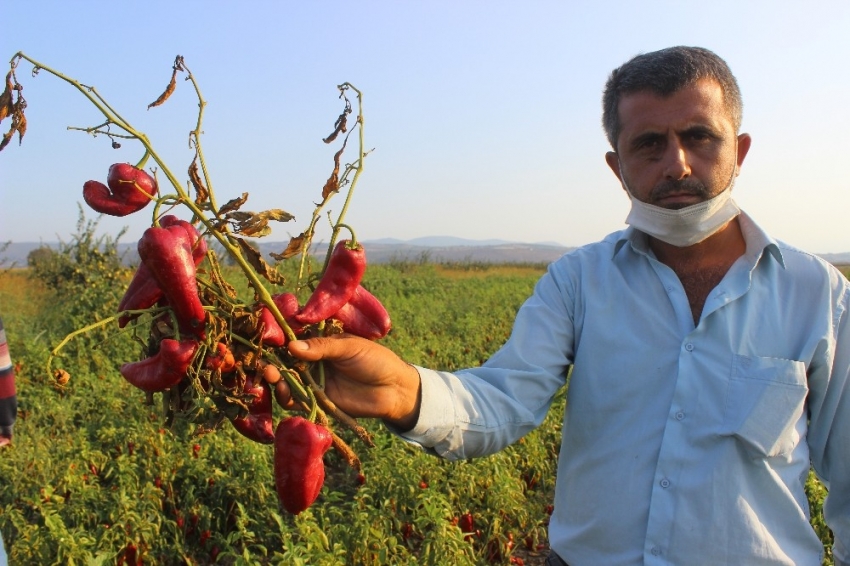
<point x="287" y="304"/>
<point x="299" y="471"/>
<point x="345" y="269"/>
<point x="144" y="290"/>
<point x="129" y="190"/>
<point x="272" y="334"/>
<point x="163" y="370"/>
<point x="364" y="315"/>
<point x="257" y="424"/>
<point x="166" y="252"/>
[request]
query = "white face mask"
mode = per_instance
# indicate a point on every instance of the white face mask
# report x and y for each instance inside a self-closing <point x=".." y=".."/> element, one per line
<point x="686" y="226"/>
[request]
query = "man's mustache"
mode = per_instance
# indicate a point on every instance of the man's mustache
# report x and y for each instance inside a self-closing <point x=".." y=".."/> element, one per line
<point x="680" y="187"/>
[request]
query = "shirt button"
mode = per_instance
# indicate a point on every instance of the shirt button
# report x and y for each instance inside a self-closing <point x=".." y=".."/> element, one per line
<point x="680" y="415"/>
<point x="655" y="551"/>
<point x="689" y="347"/>
<point x="665" y="483"/>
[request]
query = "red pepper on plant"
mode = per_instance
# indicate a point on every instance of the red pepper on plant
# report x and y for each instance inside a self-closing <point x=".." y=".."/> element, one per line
<point x="299" y="471"/>
<point x="364" y="315"/>
<point x="342" y="275"/>
<point x="163" y="370"/>
<point x="257" y="424"/>
<point x="144" y="291"/>
<point x="166" y="252"/>
<point x="129" y="190"/>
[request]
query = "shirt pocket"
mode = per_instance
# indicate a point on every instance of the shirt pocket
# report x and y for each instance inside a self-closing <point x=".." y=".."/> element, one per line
<point x="765" y="399"/>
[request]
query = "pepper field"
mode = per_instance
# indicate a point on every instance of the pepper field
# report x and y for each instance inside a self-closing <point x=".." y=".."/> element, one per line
<point x="95" y="476"/>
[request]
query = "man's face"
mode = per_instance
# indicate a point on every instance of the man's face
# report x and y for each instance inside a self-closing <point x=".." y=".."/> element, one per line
<point x="678" y="150"/>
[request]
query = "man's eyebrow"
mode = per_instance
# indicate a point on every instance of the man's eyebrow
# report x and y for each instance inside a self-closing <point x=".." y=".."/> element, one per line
<point x="702" y="129"/>
<point x="645" y="137"/>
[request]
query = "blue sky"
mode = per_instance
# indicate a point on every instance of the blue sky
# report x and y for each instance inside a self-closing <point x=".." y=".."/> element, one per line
<point x="483" y="116"/>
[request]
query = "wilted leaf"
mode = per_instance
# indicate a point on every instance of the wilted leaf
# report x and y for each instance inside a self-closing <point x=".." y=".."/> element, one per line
<point x="257" y="224"/>
<point x="259" y="264"/>
<point x="233" y="204"/>
<point x="332" y="184"/>
<point x="202" y="193"/>
<point x="294" y="248"/>
<point x="178" y="66"/>
<point x="6" y="107"/>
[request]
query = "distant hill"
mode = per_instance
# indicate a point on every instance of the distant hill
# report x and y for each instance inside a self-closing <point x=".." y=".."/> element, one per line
<point x="438" y="249"/>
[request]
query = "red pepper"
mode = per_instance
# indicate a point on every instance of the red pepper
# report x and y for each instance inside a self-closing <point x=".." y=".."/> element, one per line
<point x="257" y="424"/>
<point x="272" y="334"/>
<point x="299" y="471"/>
<point x="166" y="252"/>
<point x="163" y="370"/>
<point x="144" y="290"/>
<point x="196" y="243"/>
<point x="364" y="315"/>
<point x="287" y="304"/>
<point x="130" y="190"/>
<point x="342" y="276"/>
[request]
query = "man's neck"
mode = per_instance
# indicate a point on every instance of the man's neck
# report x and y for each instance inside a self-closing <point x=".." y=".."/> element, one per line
<point x="701" y="267"/>
<point x="721" y="248"/>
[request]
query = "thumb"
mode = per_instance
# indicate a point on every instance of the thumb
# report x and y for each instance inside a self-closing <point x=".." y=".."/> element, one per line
<point x="334" y="348"/>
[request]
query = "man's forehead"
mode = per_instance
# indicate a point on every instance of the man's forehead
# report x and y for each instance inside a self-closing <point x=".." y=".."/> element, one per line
<point x="701" y="102"/>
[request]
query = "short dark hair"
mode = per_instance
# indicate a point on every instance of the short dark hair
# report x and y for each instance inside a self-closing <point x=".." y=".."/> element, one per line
<point x="665" y="72"/>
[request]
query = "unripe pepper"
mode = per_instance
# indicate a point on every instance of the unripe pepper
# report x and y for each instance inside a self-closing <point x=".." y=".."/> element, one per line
<point x="166" y="252"/>
<point x="257" y="424"/>
<point x="364" y="315"/>
<point x="144" y="290"/>
<point x="130" y="190"/>
<point x="163" y="370"/>
<point x="299" y="471"/>
<point x="344" y="271"/>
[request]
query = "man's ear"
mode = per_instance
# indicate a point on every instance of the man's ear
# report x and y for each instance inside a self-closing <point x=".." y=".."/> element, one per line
<point x="614" y="164"/>
<point x="744" y="143"/>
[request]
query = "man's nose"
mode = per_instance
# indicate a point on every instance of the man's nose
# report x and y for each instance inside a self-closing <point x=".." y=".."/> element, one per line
<point x="676" y="163"/>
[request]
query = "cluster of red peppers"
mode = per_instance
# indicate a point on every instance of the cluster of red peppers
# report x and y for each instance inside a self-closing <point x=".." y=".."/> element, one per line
<point x="170" y="254"/>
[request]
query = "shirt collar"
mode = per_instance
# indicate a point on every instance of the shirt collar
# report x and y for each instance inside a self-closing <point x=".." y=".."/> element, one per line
<point x="756" y="239"/>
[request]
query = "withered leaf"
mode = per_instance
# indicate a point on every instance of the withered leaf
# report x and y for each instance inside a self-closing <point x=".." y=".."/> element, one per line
<point x="233" y="204"/>
<point x="332" y="184"/>
<point x="294" y="248"/>
<point x="168" y="90"/>
<point x="22" y="128"/>
<point x="8" y="136"/>
<point x="259" y="264"/>
<point x="257" y="224"/>
<point x="340" y="126"/>
<point x="202" y="193"/>
<point x="6" y="107"/>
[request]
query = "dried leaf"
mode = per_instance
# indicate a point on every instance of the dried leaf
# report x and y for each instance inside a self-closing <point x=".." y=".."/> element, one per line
<point x="257" y="224"/>
<point x="167" y="92"/>
<point x="233" y="204"/>
<point x="8" y="136"/>
<point x="22" y="128"/>
<point x="202" y="193"/>
<point x="332" y="184"/>
<point x="340" y="126"/>
<point x="178" y="66"/>
<point x="259" y="264"/>
<point x="294" y="248"/>
<point x="6" y="107"/>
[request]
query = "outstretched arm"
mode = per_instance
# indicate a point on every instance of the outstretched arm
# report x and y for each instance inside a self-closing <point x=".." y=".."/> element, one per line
<point x="365" y="379"/>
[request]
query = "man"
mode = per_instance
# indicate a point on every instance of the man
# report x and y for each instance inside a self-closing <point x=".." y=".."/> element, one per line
<point x="709" y="361"/>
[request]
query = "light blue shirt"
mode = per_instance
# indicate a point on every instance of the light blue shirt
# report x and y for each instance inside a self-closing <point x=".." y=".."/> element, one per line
<point x="682" y="444"/>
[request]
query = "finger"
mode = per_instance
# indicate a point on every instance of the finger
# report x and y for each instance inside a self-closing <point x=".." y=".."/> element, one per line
<point x="336" y="347"/>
